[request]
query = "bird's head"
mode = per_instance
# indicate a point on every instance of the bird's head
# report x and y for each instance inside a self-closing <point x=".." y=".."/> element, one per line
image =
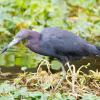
<point x="21" y="35"/>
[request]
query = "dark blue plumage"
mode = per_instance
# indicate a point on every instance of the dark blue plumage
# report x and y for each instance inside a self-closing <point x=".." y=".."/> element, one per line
<point x="64" y="45"/>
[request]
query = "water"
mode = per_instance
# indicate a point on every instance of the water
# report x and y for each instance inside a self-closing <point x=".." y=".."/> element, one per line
<point x="19" y="57"/>
<point x="94" y="64"/>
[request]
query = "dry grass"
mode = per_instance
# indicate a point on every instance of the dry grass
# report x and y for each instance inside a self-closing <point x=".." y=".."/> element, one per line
<point x="76" y="82"/>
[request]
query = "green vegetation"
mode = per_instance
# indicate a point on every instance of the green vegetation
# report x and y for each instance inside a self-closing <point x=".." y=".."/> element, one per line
<point x="79" y="16"/>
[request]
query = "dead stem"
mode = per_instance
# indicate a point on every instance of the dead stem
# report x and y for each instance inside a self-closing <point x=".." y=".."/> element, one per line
<point x="75" y="84"/>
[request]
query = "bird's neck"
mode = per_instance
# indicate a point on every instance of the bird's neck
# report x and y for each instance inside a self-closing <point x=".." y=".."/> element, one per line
<point x="35" y="37"/>
<point x="34" y="41"/>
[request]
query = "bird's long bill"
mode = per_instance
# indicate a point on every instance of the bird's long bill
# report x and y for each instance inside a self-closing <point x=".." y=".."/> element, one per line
<point x="12" y="43"/>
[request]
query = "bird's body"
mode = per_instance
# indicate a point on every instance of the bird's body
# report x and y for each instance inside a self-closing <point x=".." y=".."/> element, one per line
<point x="57" y="43"/>
<point x="61" y="44"/>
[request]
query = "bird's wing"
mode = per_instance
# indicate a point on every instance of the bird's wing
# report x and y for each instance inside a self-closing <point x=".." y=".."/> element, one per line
<point x="64" y="42"/>
<point x="69" y="46"/>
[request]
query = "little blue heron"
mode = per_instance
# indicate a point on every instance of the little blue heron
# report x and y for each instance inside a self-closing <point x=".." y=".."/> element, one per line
<point x="56" y="43"/>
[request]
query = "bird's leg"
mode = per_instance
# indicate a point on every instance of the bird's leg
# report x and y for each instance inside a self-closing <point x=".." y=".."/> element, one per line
<point x="63" y="73"/>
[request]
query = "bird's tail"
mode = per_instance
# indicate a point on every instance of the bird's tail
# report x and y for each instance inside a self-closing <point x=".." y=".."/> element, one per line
<point x="98" y="48"/>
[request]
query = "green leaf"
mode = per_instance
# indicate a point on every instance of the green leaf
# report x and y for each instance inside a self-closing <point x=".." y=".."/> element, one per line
<point x="6" y="88"/>
<point x="35" y="94"/>
<point x="56" y="64"/>
<point x="90" y="97"/>
<point x="7" y="97"/>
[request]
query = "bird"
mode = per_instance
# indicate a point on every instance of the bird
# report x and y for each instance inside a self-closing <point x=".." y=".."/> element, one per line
<point x="56" y="43"/>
